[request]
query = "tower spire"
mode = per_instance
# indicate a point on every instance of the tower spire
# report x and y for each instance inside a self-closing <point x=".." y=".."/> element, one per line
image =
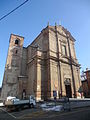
<point x="55" y="24"/>
<point x="48" y="23"/>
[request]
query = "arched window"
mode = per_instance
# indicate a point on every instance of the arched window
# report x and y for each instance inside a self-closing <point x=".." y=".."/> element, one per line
<point x="16" y="41"/>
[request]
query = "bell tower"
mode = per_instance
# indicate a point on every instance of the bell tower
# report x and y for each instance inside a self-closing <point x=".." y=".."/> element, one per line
<point x="12" y="67"/>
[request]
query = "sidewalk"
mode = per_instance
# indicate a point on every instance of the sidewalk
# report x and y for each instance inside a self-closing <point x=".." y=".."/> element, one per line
<point x="77" y="103"/>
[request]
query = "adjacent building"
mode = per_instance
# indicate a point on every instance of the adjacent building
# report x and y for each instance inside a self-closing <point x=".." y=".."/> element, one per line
<point x="86" y="83"/>
<point x="48" y="64"/>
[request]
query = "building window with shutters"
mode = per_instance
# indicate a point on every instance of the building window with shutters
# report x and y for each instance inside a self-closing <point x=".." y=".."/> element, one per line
<point x="64" y="51"/>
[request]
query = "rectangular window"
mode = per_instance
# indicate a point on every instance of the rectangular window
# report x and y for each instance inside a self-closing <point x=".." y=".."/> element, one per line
<point x="64" y="52"/>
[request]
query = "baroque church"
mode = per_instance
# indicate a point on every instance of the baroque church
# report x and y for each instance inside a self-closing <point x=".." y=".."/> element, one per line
<point x="48" y="64"/>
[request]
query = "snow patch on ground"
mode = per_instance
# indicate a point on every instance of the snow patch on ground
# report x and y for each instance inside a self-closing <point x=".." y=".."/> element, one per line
<point x="54" y="108"/>
<point x="1" y="104"/>
<point x="50" y="107"/>
<point x="43" y="105"/>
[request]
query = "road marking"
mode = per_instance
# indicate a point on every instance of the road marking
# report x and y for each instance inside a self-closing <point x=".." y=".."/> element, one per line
<point x="8" y="113"/>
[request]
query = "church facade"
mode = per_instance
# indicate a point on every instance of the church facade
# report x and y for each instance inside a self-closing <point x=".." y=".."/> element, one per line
<point x="48" y="64"/>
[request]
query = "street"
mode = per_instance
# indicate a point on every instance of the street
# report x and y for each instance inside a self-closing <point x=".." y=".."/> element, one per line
<point x="38" y="114"/>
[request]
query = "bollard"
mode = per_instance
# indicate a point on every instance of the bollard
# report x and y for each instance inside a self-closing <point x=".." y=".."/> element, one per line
<point x="67" y="104"/>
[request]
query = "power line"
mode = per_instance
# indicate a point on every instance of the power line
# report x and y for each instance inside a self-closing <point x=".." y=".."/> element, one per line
<point x="13" y="10"/>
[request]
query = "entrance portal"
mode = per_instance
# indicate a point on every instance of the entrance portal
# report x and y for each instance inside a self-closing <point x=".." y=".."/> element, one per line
<point x="68" y="91"/>
<point x="67" y="83"/>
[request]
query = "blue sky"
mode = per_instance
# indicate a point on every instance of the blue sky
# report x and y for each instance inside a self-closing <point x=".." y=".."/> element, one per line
<point x="31" y="18"/>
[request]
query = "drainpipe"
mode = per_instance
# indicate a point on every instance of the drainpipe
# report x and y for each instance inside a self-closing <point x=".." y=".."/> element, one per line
<point x="71" y="67"/>
<point x="59" y="66"/>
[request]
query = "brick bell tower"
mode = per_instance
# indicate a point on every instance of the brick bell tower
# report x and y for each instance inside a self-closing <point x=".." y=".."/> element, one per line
<point x="12" y="67"/>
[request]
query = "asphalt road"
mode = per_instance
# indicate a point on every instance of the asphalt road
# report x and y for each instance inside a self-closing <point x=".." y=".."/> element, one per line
<point x="38" y="114"/>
